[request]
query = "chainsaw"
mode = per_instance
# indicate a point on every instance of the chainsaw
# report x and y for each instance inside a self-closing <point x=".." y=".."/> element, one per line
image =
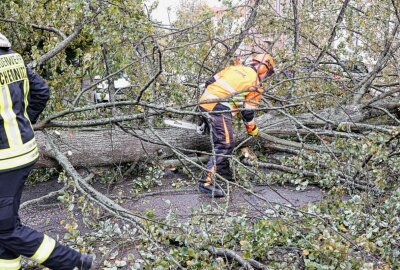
<point x="200" y="129"/>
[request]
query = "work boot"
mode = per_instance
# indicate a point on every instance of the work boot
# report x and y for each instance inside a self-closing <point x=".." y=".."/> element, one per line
<point x="211" y="190"/>
<point x="85" y="262"/>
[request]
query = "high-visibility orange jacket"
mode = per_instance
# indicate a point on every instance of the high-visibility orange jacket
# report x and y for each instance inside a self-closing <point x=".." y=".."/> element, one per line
<point x="236" y="86"/>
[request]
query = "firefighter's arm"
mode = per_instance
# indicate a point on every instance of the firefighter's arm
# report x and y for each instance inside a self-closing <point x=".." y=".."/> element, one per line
<point x="252" y="100"/>
<point x="39" y="94"/>
<point x="209" y="81"/>
<point x="254" y="97"/>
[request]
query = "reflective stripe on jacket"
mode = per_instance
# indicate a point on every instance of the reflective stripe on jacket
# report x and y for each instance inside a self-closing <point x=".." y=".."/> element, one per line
<point x="23" y="96"/>
<point x="237" y="84"/>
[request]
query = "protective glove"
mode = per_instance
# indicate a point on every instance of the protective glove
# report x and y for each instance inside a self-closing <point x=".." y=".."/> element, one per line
<point x="253" y="132"/>
<point x="251" y="128"/>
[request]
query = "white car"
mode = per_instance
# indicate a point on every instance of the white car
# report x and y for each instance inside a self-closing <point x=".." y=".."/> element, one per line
<point x="101" y="94"/>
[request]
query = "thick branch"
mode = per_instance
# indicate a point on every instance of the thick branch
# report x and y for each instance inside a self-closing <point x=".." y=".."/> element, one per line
<point x="281" y="168"/>
<point x="35" y="26"/>
<point x="333" y="33"/>
<point x="248" y="24"/>
<point x="60" y="46"/>
<point x="159" y="71"/>
<point x="296" y="26"/>
<point x="295" y="144"/>
<point x="100" y="199"/>
<point x="361" y="88"/>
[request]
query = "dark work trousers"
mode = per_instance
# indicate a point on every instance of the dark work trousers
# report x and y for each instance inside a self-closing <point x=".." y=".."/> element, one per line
<point x="222" y="137"/>
<point x="17" y="239"/>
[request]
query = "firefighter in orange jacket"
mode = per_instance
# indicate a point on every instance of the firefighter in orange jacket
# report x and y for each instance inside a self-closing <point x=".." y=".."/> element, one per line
<point x="235" y="86"/>
<point x="23" y="96"/>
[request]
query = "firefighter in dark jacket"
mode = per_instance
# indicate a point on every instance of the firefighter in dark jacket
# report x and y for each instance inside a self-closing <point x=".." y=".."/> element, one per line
<point x="236" y="86"/>
<point x="23" y="96"/>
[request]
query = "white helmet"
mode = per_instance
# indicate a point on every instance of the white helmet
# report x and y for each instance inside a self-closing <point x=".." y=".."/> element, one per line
<point x="4" y="43"/>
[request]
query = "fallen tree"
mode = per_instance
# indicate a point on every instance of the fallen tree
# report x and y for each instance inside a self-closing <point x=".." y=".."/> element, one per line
<point x="113" y="146"/>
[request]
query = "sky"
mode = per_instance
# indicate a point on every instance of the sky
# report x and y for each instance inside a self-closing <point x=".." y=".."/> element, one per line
<point x="161" y="13"/>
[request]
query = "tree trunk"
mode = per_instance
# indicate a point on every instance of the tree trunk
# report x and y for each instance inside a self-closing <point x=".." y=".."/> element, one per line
<point x="100" y="147"/>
